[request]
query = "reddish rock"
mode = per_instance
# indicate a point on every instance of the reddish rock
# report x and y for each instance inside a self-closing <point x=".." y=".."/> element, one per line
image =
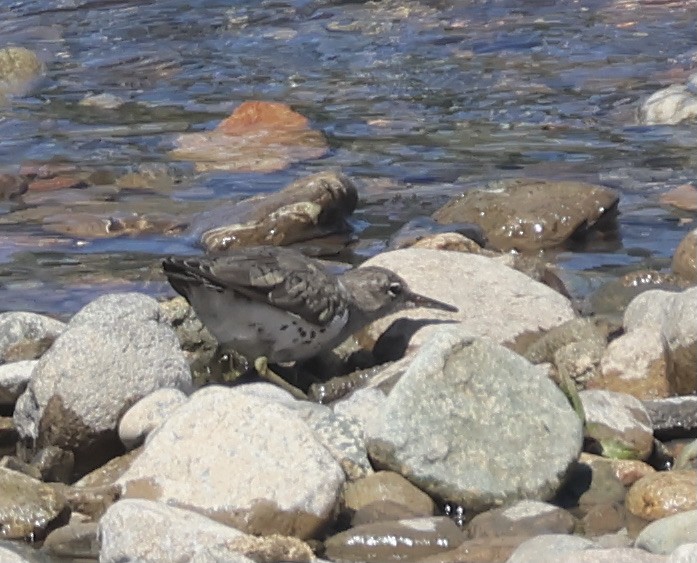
<point x="257" y="137"/>
<point x="266" y="117"/>
<point x="57" y="183"/>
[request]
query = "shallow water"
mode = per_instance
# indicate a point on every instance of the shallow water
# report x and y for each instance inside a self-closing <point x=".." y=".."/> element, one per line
<point x="434" y="96"/>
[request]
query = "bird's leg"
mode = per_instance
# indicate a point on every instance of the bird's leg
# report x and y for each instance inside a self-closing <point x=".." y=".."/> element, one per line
<point x="226" y="366"/>
<point x="261" y="364"/>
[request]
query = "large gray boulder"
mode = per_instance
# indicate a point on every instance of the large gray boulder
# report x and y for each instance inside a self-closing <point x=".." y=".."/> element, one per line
<point x="474" y="423"/>
<point x="113" y="353"/>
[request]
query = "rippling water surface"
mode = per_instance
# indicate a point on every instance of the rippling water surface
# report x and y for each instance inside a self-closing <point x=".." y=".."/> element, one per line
<point x="432" y="96"/>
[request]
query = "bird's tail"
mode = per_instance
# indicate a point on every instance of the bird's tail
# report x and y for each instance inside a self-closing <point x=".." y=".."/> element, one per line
<point x="181" y="274"/>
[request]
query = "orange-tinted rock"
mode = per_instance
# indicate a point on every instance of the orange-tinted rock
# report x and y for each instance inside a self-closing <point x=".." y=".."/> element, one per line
<point x="256" y="116"/>
<point x="257" y="137"/>
<point x="662" y="494"/>
<point x="682" y="197"/>
<point x="57" y="183"/>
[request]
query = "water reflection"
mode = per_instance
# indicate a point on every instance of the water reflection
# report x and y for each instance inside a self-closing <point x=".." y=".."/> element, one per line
<point x="434" y="96"/>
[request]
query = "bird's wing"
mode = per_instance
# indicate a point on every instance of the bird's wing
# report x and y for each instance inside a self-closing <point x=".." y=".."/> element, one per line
<point x="280" y="277"/>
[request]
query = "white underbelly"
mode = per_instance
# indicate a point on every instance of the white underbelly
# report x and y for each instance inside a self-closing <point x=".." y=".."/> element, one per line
<point x="256" y="329"/>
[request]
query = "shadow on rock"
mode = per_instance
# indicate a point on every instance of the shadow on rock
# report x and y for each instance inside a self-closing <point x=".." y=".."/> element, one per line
<point x="393" y="343"/>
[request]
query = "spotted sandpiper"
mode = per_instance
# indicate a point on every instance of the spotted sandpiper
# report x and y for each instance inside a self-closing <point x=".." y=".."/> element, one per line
<point x="274" y="304"/>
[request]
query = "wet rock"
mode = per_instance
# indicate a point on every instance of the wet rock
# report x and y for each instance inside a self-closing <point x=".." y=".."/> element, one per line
<point x="618" y="423"/>
<point x="401" y="540"/>
<point x="526" y="215"/>
<point x="422" y="229"/>
<point x="384" y="511"/>
<point x="663" y="493"/>
<point x="148" y="415"/>
<point x="669" y="106"/>
<point x="47" y="169"/>
<point x="454" y="242"/>
<point x="97" y="225"/>
<point x="612" y="299"/>
<point x="675" y="314"/>
<point x="308" y="208"/>
<point x="56" y="183"/>
<point x="102" y="101"/>
<point x="25" y="336"/>
<point x="456" y="388"/>
<point x="20" y="69"/>
<point x="12" y="187"/>
<point x="155" y="176"/>
<point x="76" y="540"/>
<point x="665" y="535"/>
<point x="489" y="550"/>
<point x="27" y="506"/>
<point x="126" y="534"/>
<point x="239" y="451"/>
<point x="524" y="518"/>
<point x="683" y="197"/>
<point x="637" y="363"/>
<point x="114" y="352"/>
<point x="685" y="257"/>
<point x="257" y="137"/>
<point x="14" y="378"/>
<point x="387" y="486"/>
<point x="499" y="303"/>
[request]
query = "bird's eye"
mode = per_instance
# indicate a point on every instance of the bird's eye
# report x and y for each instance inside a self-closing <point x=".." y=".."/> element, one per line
<point x="395" y="289"/>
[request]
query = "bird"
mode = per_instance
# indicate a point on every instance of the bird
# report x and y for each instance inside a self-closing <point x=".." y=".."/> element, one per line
<point x="275" y="305"/>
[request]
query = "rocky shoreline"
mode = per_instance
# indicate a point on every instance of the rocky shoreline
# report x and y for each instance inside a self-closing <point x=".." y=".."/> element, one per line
<point x="463" y="449"/>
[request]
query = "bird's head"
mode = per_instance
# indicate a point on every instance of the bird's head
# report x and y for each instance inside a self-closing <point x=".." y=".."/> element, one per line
<point x="379" y="292"/>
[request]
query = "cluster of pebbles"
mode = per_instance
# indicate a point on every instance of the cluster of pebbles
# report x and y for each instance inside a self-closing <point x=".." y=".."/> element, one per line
<point x="515" y="429"/>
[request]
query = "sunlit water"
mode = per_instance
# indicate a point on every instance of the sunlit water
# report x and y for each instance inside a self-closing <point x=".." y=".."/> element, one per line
<point x="434" y="96"/>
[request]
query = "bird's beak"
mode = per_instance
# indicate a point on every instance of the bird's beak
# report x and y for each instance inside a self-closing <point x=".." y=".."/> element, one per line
<point x="418" y="300"/>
